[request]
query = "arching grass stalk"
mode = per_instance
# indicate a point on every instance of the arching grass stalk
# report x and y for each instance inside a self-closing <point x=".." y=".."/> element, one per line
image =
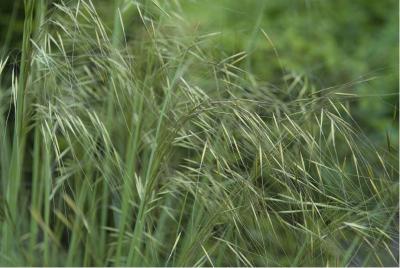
<point x="117" y="34"/>
<point x="38" y="148"/>
<point x="153" y="165"/>
<point x="18" y="152"/>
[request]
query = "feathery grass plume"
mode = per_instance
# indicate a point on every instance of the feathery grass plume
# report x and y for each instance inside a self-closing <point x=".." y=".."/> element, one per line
<point x="154" y="150"/>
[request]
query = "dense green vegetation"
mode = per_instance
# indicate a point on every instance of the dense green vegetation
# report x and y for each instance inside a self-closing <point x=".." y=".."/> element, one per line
<point x="199" y="133"/>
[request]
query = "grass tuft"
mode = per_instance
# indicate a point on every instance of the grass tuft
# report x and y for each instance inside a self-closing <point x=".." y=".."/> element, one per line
<point x="155" y="150"/>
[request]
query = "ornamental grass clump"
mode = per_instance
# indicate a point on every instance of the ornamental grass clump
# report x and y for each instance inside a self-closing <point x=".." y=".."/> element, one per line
<point x="152" y="149"/>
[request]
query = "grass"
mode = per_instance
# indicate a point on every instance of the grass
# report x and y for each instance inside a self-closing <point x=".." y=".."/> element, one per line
<point x="156" y="150"/>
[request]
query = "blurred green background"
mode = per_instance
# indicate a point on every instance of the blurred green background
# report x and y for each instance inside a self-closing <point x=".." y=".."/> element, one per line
<point x="329" y="42"/>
